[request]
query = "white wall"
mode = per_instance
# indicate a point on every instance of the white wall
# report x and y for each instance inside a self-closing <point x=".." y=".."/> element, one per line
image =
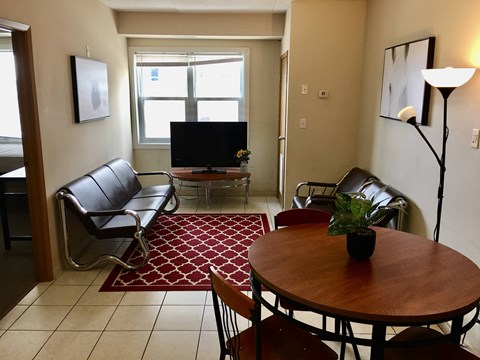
<point x="325" y="52"/>
<point x="264" y="72"/>
<point x="60" y="29"/>
<point x="394" y="150"/>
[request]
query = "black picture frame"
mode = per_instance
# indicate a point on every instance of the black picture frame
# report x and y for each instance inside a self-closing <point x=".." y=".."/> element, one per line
<point x="90" y="89"/>
<point x="403" y="83"/>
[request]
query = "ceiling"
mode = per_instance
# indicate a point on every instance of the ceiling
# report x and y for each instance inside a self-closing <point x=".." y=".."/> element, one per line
<point x="207" y="6"/>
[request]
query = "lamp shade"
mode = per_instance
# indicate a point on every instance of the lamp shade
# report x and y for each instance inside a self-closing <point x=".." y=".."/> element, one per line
<point x="407" y="113"/>
<point x="447" y="77"/>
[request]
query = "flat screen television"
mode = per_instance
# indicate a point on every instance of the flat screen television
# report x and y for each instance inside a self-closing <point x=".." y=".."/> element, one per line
<point x="207" y="145"/>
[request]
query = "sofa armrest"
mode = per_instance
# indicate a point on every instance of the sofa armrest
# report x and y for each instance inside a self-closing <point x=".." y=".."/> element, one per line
<point x="62" y="195"/>
<point x="159" y="172"/>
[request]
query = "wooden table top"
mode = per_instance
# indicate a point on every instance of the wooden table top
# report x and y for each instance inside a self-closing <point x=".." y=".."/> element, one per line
<point x="409" y="279"/>
<point x="189" y="176"/>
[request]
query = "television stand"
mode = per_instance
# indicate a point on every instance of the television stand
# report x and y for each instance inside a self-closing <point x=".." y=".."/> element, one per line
<point x="212" y="180"/>
<point x="209" y="171"/>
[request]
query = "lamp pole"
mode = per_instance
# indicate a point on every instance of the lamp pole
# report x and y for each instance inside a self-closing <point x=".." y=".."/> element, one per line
<point x="445" y="91"/>
<point x="445" y="80"/>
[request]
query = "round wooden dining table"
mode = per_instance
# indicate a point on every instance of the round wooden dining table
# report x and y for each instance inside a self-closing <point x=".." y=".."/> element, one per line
<point x="409" y="280"/>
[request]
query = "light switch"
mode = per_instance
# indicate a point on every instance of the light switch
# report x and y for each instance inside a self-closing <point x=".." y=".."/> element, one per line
<point x="303" y="123"/>
<point x="474" y="141"/>
<point x="304" y="89"/>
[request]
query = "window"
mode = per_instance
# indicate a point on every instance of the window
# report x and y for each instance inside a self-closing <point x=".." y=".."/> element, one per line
<point x="8" y="97"/>
<point x="186" y="86"/>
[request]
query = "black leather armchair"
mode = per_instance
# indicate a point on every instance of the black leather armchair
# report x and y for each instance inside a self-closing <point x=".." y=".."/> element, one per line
<point x="321" y="195"/>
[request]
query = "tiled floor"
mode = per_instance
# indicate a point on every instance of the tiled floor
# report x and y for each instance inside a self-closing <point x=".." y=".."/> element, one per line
<point x="70" y="319"/>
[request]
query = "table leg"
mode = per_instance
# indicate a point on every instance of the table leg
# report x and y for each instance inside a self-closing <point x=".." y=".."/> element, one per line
<point x="246" y="190"/>
<point x="378" y="342"/>
<point x="208" y="190"/>
<point x="4" y="217"/>
<point x="457" y="324"/>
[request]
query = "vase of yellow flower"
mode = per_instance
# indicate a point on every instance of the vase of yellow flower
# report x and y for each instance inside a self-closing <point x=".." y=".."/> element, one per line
<point x="242" y="156"/>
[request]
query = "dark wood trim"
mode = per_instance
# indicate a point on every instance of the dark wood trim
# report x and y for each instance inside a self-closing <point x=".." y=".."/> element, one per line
<point x="32" y="147"/>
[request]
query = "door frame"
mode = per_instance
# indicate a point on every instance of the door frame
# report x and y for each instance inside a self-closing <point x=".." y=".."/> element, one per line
<point x="282" y="138"/>
<point x="32" y="147"/>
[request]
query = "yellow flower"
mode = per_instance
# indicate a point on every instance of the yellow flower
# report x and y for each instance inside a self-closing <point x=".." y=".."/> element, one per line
<point x="243" y="155"/>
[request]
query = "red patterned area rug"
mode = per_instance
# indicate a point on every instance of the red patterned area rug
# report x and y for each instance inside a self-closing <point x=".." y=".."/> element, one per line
<point x="184" y="246"/>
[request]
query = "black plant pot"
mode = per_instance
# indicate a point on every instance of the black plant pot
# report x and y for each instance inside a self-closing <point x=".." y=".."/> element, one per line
<point x="360" y="245"/>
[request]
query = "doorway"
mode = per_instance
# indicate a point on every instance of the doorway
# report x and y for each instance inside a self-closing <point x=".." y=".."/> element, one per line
<point x="32" y="150"/>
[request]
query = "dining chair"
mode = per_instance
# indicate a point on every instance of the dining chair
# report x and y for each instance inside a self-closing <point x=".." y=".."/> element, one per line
<point x="299" y="216"/>
<point x="271" y="338"/>
<point x="445" y="350"/>
<point x="292" y="217"/>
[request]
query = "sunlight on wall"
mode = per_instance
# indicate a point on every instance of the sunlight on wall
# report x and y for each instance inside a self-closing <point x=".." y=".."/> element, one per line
<point x="9" y="118"/>
<point x="475" y="54"/>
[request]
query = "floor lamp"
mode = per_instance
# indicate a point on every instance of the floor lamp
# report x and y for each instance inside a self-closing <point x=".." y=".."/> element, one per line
<point x="445" y="80"/>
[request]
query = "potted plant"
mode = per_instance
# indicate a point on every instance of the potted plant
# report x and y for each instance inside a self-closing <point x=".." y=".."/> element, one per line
<point x="355" y="213"/>
<point x="243" y="156"/>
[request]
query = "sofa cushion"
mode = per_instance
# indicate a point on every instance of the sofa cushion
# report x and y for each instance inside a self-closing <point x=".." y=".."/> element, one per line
<point x="125" y="175"/>
<point x="111" y="186"/>
<point x="124" y="226"/>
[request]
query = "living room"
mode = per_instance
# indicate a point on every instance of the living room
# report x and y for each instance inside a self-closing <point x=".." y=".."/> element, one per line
<point x="334" y="45"/>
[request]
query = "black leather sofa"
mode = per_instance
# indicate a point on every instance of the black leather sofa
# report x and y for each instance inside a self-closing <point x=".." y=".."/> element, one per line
<point x="321" y="195"/>
<point x="110" y="202"/>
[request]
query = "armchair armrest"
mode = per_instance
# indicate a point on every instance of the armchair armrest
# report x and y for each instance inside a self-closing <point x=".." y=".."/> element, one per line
<point x="323" y="188"/>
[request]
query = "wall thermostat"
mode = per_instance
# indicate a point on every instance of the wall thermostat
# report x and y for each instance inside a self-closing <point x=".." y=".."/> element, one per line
<point x="323" y="94"/>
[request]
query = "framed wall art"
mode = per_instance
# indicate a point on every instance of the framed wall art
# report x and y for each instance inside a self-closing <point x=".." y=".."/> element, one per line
<point x="403" y="83"/>
<point x="90" y="89"/>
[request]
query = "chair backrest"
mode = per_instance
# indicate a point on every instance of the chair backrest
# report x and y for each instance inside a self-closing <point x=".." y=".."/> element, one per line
<point x="292" y="217"/>
<point x="353" y="180"/>
<point x="228" y="301"/>
<point x="389" y="196"/>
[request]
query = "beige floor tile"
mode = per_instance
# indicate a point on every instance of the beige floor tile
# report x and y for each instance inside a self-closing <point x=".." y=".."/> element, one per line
<point x="120" y="345"/>
<point x="12" y="316"/>
<point x="133" y="318"/>
<point x="61" y="295"/>
<point x="75" y="277"/>
<point x="41" y="318"/>
<point x="185" y="298"/>
<point x="71" y="345"/>
<point x="22" y="345"/>
<point x="172" y="345"/>
<point x="232" y="210"/>
<point x="94" y="297"/>
<point x="103" y="274"/>
<point x="209" y="322"/>
<point x="143" y="298"/>
<point x="208" y="347"/>
<point x="88" y="318"/>
<point x="33" y="295"/>
<point x="179" y="318"/>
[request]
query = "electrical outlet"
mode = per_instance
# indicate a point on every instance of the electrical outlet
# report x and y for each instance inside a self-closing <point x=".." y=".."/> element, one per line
<point x="474" y="141"/>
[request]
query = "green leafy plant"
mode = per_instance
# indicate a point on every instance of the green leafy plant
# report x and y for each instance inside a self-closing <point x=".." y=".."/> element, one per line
<point x="355" y="213"/>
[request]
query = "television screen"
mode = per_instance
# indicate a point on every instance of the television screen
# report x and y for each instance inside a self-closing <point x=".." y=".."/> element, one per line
<point x="206" y="144"/>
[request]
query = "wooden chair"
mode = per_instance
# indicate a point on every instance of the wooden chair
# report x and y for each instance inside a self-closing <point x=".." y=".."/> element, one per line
<point x="292" y="217"/>
<point x="271" y="338"/>
<point x="445" y="350"/>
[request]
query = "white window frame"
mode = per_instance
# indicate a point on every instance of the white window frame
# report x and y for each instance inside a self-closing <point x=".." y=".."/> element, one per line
<point x="133" y="89"/>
